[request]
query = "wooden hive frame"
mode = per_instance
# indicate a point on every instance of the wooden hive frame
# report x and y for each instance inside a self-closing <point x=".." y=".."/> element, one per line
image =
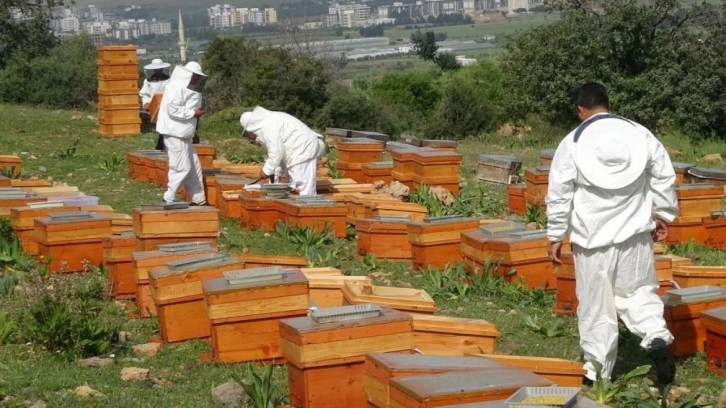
<point x="404" y="299"/>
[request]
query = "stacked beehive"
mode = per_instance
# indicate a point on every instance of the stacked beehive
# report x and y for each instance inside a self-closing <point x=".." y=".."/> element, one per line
<point x="436" y="240"/>
<point x="437" y="168"/>
<point x="354" y="152"/>
<point x="118" y="99"/>
<point x="154" y="225"/>
<point x="403" y="165"/>
<point x="697" y="203"/>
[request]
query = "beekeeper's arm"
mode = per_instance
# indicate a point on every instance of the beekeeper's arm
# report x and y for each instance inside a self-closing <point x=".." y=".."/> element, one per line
<point x="184" y="109"/>
<point x="662" y="180"/>
<point x="275" y="152"/>
<point x="560" y="192"/>
<point x="145" y="94"/>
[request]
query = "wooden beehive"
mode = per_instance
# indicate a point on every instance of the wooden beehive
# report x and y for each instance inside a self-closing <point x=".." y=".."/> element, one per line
<point x="334" y="135"/>
<point x="258" y="213"/>
<point x="327" y="291"/>
<point x="689" y="276"/>
<point x="206" y="153"/>
<point x="229" y="204"/>
<point x="117" y="54"/>
<point x="357" y="203"/>
<point x="403" y="164"/>
<point x="144" y="261"/>
<point x="117" y="259"/>
<point x="706" y="175"/>
<point x="714" y="322"/>
<point x="515" y="198"/>
<point x="326" y="360"/>
<point x="453" y="336"/>
<point x="384" y="237"/>
<point x="23" y="221"/>
<point x="663" y="268"/>
<point x="316" y="214"/>
<point x="124" y="86"/>
<point x="380" y="368"/>
<point x="178" y="296"/>
<point x="352" y="171"/>
<point x="389" y="208"/>
<point x="436" y="240"/>
<point x="244" y="313"/>
<point x="153" y="227"/>
<point x="11" y="164"/>
<point x="71" y="240"/>
<point x="685" y="229"/>
<point x="5" y="182"/>
<point x="16" y="197"/>
<point x="259" y="261"/>
<point x="377" y="171"/>
<point x="228" y="182"/>
<point x="698" y="200"/>
<point x="381" y="137"/>
<point x="404" y="299"/>
<point x="250" y="170"/>
<point x="436" y="163"/>
<point x="715" y="227"/>
<point x="681" y="169"/>
<point x="108" y="100"/>
<point x="536" y="182"/>
<point x="118" y="115"/>
<point x="489" y="384"/>
<point x="451" y="183"/>
<point x="566" y="298"/>
<point x="30" y="183"/>
<point x="546" y="156"/>
<point x="497" y="168"/>
<point x="566" y="373"/>
<point x="359" y="150"/>
<point x="683" y="321"/>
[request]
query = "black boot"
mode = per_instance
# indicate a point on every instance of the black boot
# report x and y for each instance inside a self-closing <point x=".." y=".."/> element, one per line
<point x="587" y="382"/>
<point x="665" y="367"/>
<point x="160" y="142"/>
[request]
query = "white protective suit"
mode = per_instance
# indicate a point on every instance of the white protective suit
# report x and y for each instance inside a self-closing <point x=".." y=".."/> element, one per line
<point x="150" y="88"/>
<point x="176" y="121"/>
<point x="608" y="216"/>
<point x="154" y="83"/>
<point x="290" y="144"/>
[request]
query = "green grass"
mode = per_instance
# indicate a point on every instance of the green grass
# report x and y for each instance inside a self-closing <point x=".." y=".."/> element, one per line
<point x="177" y="377"/>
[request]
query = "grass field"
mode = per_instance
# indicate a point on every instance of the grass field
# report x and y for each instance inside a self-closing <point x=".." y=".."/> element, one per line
<point x="45" y="140"/>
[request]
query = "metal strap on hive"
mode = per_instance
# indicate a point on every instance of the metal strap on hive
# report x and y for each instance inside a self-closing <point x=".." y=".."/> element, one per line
<point x="165" y="206"/>
<point x="531" y="234"/>
<point x="255" y="275"/>
<point x="444" y="218"/>
<point x="47" y="204"/>
<point x="695" y="293"/>
<point x="342" y="313"/>
<point x="184" y="246"/>
<point x="71" y="216"/>
<point x="384" y="218"/>
<point x="197" y="262"/>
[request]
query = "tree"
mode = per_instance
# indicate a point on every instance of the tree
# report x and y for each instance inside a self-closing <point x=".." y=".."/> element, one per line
<point x="446" y="61"/>
<point x="424" y="44"/>
<point x="24" y="28"/>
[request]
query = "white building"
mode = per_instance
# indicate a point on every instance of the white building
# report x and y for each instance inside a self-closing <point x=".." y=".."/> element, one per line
<point x="224" y="16"/>
<point x="97" y="28"/>
<point x="465" y="62"/>
<point x="270" y="15"/>
<point x="64" y="20"/>
<point x="349" y="15"/>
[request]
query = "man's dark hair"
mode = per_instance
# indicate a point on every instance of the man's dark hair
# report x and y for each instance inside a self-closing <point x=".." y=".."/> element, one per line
<point x="592" y="95"/>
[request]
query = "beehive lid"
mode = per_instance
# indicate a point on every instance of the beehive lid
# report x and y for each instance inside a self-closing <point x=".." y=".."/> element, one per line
<point x="529" y="234"/>
<point x="361" y="140"/>
<point x="316" y="203"/>
<point x="345" y="313"/>
<point x="392" y="219"/>
<point x="498" y="160"/>
<point x="444" y="219"/>
<point x="708" y="173"/>
<point x="530" y="397"/>
<point x="542" y="169"/>
<point x="370" y="135"/>
<point x="184" y="247"/>
<point x="399" y="146"/>
<point x="379" y="165"/>
<point x="46" y="204"/>
<point x="70" y="216"/>
<point x="695" y="294"/>
<point x="500" y="229"/>
<point x="212" y="172"/>
<point x="395" y="362"/>
<point x="337" y="132"/>
<point x="255" y="275"/>
<point x="164" y="206"/>
<point x="718" y="313"/>
<point x="197" y="262"/>
<point x="14" y="192"/>
<point x="681" y="166"/>
<point x="547" y="153"/>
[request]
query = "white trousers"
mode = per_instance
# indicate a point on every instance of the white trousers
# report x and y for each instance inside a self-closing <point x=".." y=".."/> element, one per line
<point x="303" y="177"/>
<point x="617" y="281"/>
<point x="184" y="170"/>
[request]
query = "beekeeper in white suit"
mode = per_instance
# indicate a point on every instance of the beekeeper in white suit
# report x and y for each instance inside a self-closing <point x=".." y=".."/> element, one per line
<point x="611" y="187"/>
<point x="180" y="108"/>
<point x="291" y="146"/>
<point x="157" y="76"/>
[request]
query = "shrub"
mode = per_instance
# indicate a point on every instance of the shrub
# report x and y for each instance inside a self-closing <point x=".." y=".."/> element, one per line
<point x="463" y="111"/>
<point x="351" y="108"/>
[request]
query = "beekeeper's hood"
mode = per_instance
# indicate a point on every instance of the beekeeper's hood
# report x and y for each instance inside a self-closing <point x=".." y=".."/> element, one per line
<point x="183" y="75"/>
<point x="612" y="153"/>
<point x="254" y="121"/>
<point x="157" y="63"/>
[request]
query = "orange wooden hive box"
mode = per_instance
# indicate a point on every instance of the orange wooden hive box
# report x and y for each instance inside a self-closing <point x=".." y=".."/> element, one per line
<point x="474" y="243"/>
<point x="209" y="179"/>
<point x="417" y="212"/>
<point x="546" y="156"/>
<point x="72" y="240"/>
<point x="714" y="321"/>
<point x="245" y="307"/>
<point x="326" y="357"/>
<point x="436" y="241"/>
<point x="436" y="163"/>
<point x="259" y="213"/>
<point x="259" y="260"/>
<point x="352" y="171"/>
<point x="144" y="261"/>
<point x="451" y="183"/>
<point x="160" y="166"/>
<point x="453" y="336"/>
<point x="715" y="226"/>
<point x="566" y="373"/>
<point x="155" y="225"/>
<point x="133" y="161"/>
<point x="685" y="229"/>
<point x="229" y="204"/>
<point x="537" y="182"/>
<point x="698" y="200"/>
<point x="127" y="100"/>
<point x="383" y="237"/>
<point x="12" y="164"/>
<point x="403" y="164"/>
<point x="683" y="318"/>
<point x="380" y="368"/>
<point x="404" y="299"/>
<point x="327" y="291"/>
<point x="359" y="150"/>
<point x="23" y="221"/>
<point x="566" y="297"/>
<point x="377" y="171"/>
<point x="681" y="170"/>
<point x="17" y="197"/>
<point x="30" y="183"/>
<point x="688" y="276"/>
<point x="5" y="182"/>
<point x="117" y="54"/>
<point x="117" y="259"/>
<point x="319" y="214"/>
<point x="177" y="293"/>
<point x="357" y="203"/>
<point x="206" y="153"/>
<point x="515" y="198"/>
<point x="488" y="384"/>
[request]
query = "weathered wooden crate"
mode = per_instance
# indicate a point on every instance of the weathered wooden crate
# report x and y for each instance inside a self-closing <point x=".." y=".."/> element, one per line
<point x="259" y="261"/>
<point x="206" y="153"/>
<point x="404" y="299"/>
<point x="536" y="182"/>
<point x="179" y="299"/>
<point x="192" y="221"/>
<point x="144" y="261"/>
<point x="259" y="213"/>
<point x="698" y="200"/>
<point x="316" y="214"/>
<point x="327" y="291"/>
<point x="566" y="373"/>
<point x="497" y="168"/>
<point x="380" y="368"/>
<point x="566" y="297"/>
<point x="715" y="227"/>
<point x="377" y="171"/>
<point x="515" y="198"/>
<point x="683" y="320"/>
<point x="384" y="237"/>
<point x="436" y="240"/>
<point x="72" y="244"/>
<point x="326" y="360"/>
<point x="453" y="336"/>
<point x="359" y="150"/>
<point x="245" y="317"/>
<point x="690" y="276"/>
<point x="684" y="229"/>
<point x="489" y="384"/>
<point x="416" y="212"/>
<point x="714" y="322"/>
<point x="117" y="259"/>
<point x="12" y="164"/>
<point x="436" y="163"/>
<point x="681" y="170"/>
<point x="451" y="183"/>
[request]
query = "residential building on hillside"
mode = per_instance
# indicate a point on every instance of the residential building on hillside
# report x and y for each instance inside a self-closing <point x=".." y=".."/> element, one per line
<point x="224" y="16"/>
<point x="64" y="19"/>
<point x="348" y="15"/>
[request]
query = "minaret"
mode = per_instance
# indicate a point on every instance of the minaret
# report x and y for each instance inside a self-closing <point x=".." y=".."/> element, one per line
<point x="182" y="42"/>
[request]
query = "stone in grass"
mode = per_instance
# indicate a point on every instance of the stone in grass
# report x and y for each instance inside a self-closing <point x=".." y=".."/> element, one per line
<point x="147" y="350"/>
<point x="134" y="374"/>
<point x="37" y="404"/>
<point x="85" y="391"/>
<point x="230" y="393"/>
<point x="96" y="362"/>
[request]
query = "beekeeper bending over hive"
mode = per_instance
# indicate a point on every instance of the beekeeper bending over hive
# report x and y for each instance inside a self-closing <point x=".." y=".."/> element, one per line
<point x="180" y="107"/>
<point x="611" y="187"/>
<point x="290" y="145"/>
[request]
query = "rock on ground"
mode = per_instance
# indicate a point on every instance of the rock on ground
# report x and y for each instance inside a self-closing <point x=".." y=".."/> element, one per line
<point x="713" y="157"/>
<point x="85" y="391"/>
<point x="230" y="393"/>
<point x="147" y="350"/>
<point x="96" y="362"/>
<point x="134" y="374"/>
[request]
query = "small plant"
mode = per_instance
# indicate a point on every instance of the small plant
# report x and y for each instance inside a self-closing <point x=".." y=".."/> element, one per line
<point x="424" y="196"/>
<point x="305" y="238"/>
<point x="10" y="172"/>
<point x="535" y="213"/>
<point x="69" y="152"/>
<point x="370" y="263"/>
<point x="606" y="391"/>
<point x="656" y="401"/>
<point x="7" y="327"/>
<point x="247" y="156"/>
<point x="111" y="164"/>
<point x="11" y="267"/>
<point x="449" y="282"/>
<point x="259" y="387"/>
